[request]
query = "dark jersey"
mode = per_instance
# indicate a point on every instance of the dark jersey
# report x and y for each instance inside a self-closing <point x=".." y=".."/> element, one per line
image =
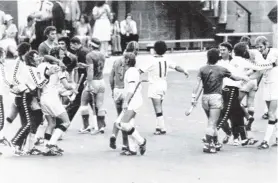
<point x="97" y="59"/>
<point x="212" y="78"/>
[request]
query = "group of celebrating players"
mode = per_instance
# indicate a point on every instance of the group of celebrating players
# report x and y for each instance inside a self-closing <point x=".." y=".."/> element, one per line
<point x="53" y="84"/>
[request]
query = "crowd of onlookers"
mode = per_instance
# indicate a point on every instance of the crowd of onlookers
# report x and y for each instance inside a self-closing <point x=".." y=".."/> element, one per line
<point x="68" y="20"/>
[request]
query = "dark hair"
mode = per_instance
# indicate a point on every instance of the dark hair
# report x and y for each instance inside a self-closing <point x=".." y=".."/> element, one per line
<point x="131" y="59"/>
<point x="160" y="47"/>
<point x="55" y="52"/>
<point x="246" y="40"/>
<point x="29" y="58"/>
<point x="240" y="49"/>
<point x="132" y="47"/>
<point x="86" y="19"/>
<point x="114" y="18"/>
<point x="213" y="56"/>
<point x="29" y="19"/>
<point x="23" y="48"/>
<point x="64" y="39"/>
<point x="95" y="41"/>
<point x="75" y="40"/>
<point x="227" y="45"/>
<point x="1" y="52"/>
<point x="128" y="14"/>
<point x="100" y="3"/>
<point x="48" y="30"/>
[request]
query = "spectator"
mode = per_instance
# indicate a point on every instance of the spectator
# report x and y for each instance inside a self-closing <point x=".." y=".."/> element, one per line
<point x="2" y="17"/>
<point x="128" y="31"/>
<point x="51" y="34"/>
<point x="43" y="19"/>
<point x="116" y="37"/>
<point x="102" y="27"/>
<point x="72" y="15"/>
<point x="8" y="42"/>
<point x="83" y="29"/>
<point x="27" y="33"/>
<point x="58" y="17"/>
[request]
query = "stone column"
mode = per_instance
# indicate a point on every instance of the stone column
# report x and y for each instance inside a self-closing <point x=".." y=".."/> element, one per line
<point x="223" y="11"/>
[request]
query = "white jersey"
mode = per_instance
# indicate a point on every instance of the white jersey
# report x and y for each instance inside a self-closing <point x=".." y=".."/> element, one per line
<point x="158" y="69"/>
<point x="271" y="75"/>
<point x="53" y="86"/>
<point x="132" y="75"/>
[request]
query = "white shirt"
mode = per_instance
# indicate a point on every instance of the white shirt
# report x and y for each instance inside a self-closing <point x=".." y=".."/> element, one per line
<point x="227" y="81"/>
<point x="46" y="10"/>
<point x="271" y="75"/>
<point x="53" y="86"/>
<point x="158" y="69"/>
<point x="131" y="80"/>
<point x="124" y="27"/>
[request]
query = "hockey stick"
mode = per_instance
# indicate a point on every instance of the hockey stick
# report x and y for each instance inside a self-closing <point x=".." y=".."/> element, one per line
<point x="187" y="113"/>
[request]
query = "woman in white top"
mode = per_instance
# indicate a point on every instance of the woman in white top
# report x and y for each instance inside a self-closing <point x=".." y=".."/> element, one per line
<point x="83" y="29"/>
<point x="8" y="42"/>
<point x="102" y="27"/>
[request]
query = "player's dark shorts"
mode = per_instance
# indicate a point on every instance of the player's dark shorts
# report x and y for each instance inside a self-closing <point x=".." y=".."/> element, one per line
<point x="212" y="101"/>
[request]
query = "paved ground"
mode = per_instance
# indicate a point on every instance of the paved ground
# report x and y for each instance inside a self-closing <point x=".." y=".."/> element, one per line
<point x="176" y="157"/>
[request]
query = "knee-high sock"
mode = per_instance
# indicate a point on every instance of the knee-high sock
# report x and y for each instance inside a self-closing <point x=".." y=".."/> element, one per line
<point x="137" y="137"/>
<point x="269" y="131"/>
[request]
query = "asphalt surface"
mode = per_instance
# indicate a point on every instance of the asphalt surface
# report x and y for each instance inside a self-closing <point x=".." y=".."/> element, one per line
<point x="176" y="157"/>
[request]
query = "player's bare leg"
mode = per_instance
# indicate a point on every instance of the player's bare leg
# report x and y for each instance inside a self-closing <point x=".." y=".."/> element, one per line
<point x="272" y="120"/>
<point x="134" y="138"/>
<point x="160" y="124"/>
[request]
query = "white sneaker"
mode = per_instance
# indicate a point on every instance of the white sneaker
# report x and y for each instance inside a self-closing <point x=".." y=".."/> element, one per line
<point x="236" y="142"/>
<point x="86" y="130"/>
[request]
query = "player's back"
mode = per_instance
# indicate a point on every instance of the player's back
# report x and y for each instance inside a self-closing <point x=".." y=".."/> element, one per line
<point x="98" y="60"/>
<point x="158" y="71"/>
<point x="119" y="72"/>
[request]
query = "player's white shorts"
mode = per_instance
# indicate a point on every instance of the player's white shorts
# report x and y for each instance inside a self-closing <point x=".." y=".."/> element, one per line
<point x="98" y="86"/>
<point x="51" y="105"/>
<point x="270" y="91"/>
<point x="249" y="86"/>
<point x="135" y="103"/>
<point x="119" y="94"/>
<point x="157" y="91"/>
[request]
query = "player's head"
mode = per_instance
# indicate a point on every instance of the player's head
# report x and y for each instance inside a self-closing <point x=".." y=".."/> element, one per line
<point x="262" y="44"/>
<point x="130" y="59"/>
<point x="94" y="43"/>
<point x="75" y="43"/>
<point x="225" y="49"/>
<point x="213" y="56"/>
<point x="240" y="49"/>
<point x="50" y="32"/>
<point x="57" y="52"/>
<point x="246" y="40"/>
<point x="23" y="48"/>
<point x="32" y="58"/>
<point x="132" y="47"/>
<point x="64" y="43"/>
<point x="160" y="47"/>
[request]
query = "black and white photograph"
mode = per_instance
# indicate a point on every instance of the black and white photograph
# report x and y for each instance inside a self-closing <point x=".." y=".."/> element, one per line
<point x="138" y="91"/>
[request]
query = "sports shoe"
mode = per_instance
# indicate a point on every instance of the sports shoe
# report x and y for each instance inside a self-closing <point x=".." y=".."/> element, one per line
<point x="158" y="131"/>
<point x="236" y="142"/>
<point x="113" y="142"/>
<point x="125" y="148"/>
<point x="209" y="148"/>
<point x="142" y="148"/>
<point x="52" y="151"/>
<point x="218" y="146"/>
<point x="5" y="142"/>
<point x="40" y="141"/>
<point x="265" y="116"/>
<point x="275" y="144"/>
<point x="34" y="151"/>
<point x="226" y="139"/>
<point x="263" y="145"/>
<point x="249" y="141"/>
<point x="58" y="148"/>
<point x="95" y="132"/>
<point x="204" y="140"/>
